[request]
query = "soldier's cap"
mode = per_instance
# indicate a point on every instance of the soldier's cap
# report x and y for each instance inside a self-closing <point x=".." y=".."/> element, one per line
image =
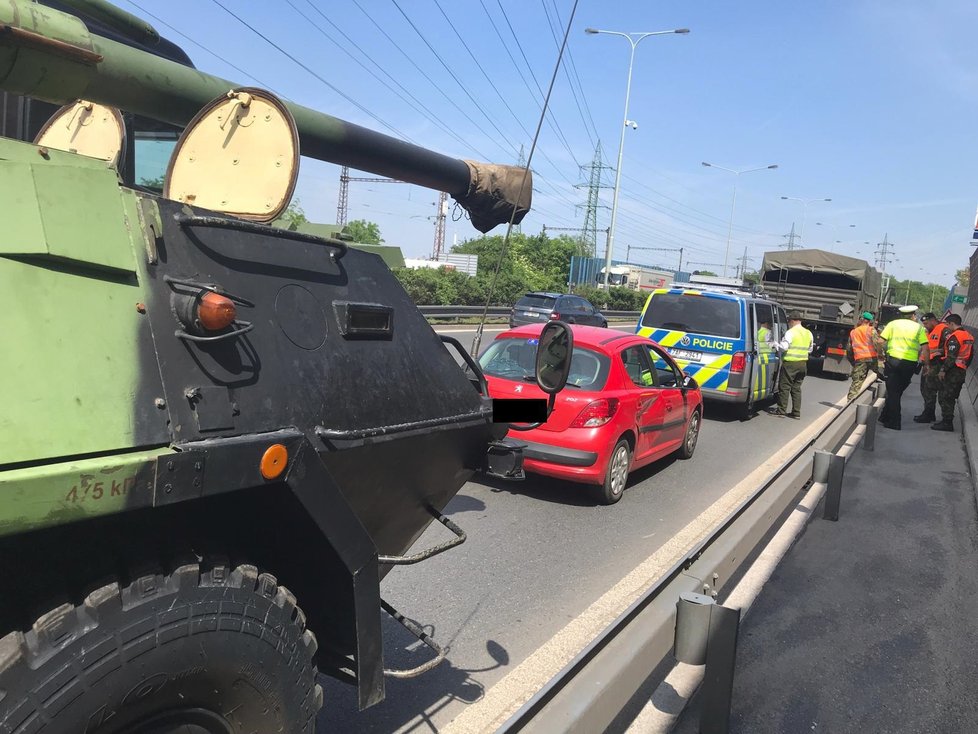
<point x="867" y="315"/>
<point x="794" y="316"/>
<point x="908" y="309"/>
<point x="929" y="315"/>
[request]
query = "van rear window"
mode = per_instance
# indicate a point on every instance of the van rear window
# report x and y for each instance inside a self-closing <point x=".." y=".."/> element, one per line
<point x="697" y="314"/>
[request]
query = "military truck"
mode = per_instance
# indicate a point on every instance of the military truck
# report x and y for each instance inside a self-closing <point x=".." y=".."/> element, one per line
<point x="830" y="290"/>
<point x="218" y="434"/>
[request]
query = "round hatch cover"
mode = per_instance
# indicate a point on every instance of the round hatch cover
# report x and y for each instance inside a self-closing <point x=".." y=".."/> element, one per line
<point x="239" y="155"/>
<point x="86" y="128"/>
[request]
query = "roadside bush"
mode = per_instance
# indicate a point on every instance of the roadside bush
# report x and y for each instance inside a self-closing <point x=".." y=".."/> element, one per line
<point x="625" y="299"/>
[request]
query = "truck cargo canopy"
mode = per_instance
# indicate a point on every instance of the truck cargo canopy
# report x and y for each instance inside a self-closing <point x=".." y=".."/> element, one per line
<point x="818" y="261"/>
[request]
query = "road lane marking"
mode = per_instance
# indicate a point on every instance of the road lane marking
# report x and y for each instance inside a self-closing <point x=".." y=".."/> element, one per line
<point x="519" y="685"/>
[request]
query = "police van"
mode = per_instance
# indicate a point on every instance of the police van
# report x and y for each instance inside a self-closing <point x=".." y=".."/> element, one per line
<point x="718" y="335"/>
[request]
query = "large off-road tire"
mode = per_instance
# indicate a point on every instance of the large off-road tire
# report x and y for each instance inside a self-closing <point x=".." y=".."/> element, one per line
<point x="215" y="651"/>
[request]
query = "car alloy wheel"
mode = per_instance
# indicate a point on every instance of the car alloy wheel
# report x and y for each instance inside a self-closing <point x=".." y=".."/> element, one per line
<point x="692" y="435"/>
<point x="617" y="475"/>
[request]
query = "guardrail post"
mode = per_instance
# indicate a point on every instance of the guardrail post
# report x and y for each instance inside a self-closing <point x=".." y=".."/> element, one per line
<point x="721" y="663"/>
<point x="879" y="389"/>
<point x="829" y="468"/>
<point x="867" y="415"/>
<point x="692" y="627"/>
<point x="706" y="632"/>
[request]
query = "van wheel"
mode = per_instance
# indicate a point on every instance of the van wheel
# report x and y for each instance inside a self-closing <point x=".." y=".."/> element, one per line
<point x="617" y="474"/>
<point x="746" y="410"/>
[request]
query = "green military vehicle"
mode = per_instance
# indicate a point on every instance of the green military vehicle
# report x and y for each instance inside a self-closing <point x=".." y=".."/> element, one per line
<point x="217" y="433"/>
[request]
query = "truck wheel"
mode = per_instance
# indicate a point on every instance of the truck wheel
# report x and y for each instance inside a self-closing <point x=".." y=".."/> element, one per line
<point x="213" y="651"/>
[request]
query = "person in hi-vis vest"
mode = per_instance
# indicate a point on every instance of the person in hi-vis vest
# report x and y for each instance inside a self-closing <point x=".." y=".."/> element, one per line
<point x="905" y="342"/>
<point x="953" y="370"/>
<point x="863" y="351"/>
<point x="795" y="347"/>
<point x="930" y="384"/>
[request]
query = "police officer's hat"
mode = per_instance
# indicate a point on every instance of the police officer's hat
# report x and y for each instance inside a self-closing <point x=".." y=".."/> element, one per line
<point x="794" y="316"/>
<point x="908" y="309"/>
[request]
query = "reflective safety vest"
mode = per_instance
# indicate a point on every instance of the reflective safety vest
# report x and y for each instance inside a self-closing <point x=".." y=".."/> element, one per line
<point x="965" y="343"/>
<point x="799" y="344"/>
<point x="763" y="340"/>
<point x="904" y="339"/>
<point x="935" y="340"/>
<point x="863" y="342"/>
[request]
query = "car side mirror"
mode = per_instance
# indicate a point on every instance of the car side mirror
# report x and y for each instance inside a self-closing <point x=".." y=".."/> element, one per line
<point x="688" y="382"/>
<point x="553" y="357"/>
<point x="552" y="366"/>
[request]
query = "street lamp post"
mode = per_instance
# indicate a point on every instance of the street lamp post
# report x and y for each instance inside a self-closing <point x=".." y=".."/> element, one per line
<point x="733" y="205"/>
<point x="804" y="215"/>
<point x="633" y="39"/>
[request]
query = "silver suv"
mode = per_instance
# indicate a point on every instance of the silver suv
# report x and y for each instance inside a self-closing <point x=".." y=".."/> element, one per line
<point x="537" y="308"/>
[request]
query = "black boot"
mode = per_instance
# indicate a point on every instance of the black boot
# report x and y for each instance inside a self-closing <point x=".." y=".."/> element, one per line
<point x="944" y="425"/>
<point x="926" y="417"/>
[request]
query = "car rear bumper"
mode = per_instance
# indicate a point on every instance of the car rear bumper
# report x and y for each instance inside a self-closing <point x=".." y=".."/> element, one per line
<point x="558" y="454"/>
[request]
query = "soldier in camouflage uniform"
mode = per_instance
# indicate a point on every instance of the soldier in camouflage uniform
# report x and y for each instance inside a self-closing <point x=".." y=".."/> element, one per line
<point x="952" y="375"/>
<point x="863" y="351"/>
<point x="930" y="384"/>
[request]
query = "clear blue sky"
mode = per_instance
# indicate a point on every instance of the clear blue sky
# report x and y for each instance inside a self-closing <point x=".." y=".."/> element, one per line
<point x="872" y="103"/>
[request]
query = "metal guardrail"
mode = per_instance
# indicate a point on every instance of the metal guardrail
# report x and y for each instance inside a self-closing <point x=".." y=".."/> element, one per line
<point x="458" y="312"/>
<point x="596" y="685"/>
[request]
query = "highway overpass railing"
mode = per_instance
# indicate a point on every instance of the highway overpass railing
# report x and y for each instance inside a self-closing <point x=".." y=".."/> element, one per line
<point x="593" y="688"/>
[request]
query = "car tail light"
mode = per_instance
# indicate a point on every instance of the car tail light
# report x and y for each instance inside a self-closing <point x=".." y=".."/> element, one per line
<point x="738" y="363"/>
<point x="596" y="413"/>
<point x="555" y="315"/>
<point x="215" y="312"/>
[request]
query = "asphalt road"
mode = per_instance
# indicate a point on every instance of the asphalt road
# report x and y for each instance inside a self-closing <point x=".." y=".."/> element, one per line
<point x="538" y="554"/>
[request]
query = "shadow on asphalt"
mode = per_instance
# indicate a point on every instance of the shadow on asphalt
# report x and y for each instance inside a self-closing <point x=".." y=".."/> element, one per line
<point x="563" y="492"/>
<point x="411" y="698"/>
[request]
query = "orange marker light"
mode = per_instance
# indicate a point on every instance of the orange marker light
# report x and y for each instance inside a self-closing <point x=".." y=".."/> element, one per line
<point x="215" y="312"/>
<point x="274" y="461"/>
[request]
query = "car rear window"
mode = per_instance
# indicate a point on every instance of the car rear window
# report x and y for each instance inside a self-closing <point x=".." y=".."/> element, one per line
<point x="697" y="314"/>
<point x="513" y="359"/>
<point x="536" y="302"/>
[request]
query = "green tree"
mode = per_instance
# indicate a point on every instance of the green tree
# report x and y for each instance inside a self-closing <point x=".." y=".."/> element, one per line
<point x="364" y="232"/>
<point x="703" y="272"/>
<point x="928" y="296"/>
<point x="155" y="184"/>
<point x="294" y="215"/>
<point x="963" y="276"/>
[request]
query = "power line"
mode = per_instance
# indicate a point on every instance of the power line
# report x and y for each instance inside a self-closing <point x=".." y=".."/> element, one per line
<point x="417" y="104"/>
<point x="427" y="77"/>
<point x="492" y="84"/>
<point x="570" y="81"/>
<point x="450" y="72"/>
<point x="555" y="124"/>
<point x="336" y="89"/>
<point x="204" y="48"/>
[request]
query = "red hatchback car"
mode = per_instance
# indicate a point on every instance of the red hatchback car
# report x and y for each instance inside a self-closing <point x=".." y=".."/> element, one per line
<point x="626" y="405"/>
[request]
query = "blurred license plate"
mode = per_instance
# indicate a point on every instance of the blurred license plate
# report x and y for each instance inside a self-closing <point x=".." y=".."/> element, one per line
<point x="531" y="314"/>
<point x="687" y="355"/>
